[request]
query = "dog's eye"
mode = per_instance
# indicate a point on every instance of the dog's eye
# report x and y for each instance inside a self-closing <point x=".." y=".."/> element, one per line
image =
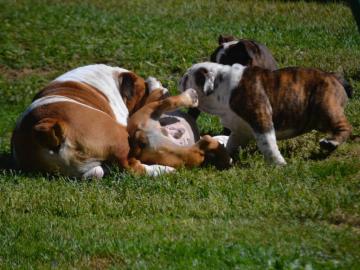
<point x="142" y="145"/>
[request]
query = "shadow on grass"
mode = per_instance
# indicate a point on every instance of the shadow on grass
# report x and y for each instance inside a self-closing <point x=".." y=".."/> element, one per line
<point x="6" y="162"/>
<point x="320" y="155"/>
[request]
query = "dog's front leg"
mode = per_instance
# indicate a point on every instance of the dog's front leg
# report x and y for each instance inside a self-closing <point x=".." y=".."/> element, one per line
<point x="186" y="99"/>
<point x="267" y="144"/>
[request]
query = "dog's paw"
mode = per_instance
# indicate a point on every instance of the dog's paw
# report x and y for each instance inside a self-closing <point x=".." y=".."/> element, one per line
<point x="94" y="173"/>
<point x="193" y="97"/>
<point x="154" y="84"/>
<point x="222" y="139"/>
<point x="155" y="170"/>
<point x="328" y="145"/>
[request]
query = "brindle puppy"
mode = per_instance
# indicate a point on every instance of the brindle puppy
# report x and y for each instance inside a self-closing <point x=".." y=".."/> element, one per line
<point x="262" y="104"/>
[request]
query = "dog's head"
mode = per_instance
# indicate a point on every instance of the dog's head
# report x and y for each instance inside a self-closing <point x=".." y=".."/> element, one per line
<point x="245" y="52"/>
<point x="216" y="153"/>
<point x="213" y="83"/>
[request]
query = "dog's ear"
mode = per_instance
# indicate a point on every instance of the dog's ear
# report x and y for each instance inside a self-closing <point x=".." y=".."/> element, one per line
<point x="50" y="133"/>
<point x="132" y="90"/>
<point x="223" y="39"/>
<point x="205" y="80"/>
<point x="127" y="85"/>
<point x="183" y="82"/>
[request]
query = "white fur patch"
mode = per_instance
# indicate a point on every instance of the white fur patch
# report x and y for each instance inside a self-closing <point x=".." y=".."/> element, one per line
<point x="153" y="84"/>
<point x="268" y="146"/>
<point x="96" y="172"/>
<point x="155" y="170"/>
<point x="218" y="101"/>
<point x="222" y="139"/>
<point x="105" y="79"/>
<point x="236" y="73"/>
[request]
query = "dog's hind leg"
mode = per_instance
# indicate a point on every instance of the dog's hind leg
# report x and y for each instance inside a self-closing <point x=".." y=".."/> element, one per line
<point x="340" y="130"/>
<point x="332" y="117"/>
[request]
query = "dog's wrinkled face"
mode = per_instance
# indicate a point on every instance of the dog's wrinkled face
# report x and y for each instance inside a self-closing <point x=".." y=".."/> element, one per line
<point x="213" y="83"/>
<point x="201" y="77"/>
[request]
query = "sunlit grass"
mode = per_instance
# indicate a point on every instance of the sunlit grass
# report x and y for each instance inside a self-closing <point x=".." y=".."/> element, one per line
<point x="252" y="216"/>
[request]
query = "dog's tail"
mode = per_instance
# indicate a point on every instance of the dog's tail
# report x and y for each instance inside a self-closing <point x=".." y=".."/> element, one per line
<point x="347" y="86"/>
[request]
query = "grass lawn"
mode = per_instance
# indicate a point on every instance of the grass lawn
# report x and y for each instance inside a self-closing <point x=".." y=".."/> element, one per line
<point x="252" y="216"/>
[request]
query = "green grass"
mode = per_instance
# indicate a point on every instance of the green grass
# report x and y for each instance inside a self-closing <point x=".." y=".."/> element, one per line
<point x="252" y="216"/>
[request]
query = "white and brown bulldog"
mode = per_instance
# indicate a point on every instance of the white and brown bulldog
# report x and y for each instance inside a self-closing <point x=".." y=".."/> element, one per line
<point x="79" y="122"/>
<point x="268" y="105"/>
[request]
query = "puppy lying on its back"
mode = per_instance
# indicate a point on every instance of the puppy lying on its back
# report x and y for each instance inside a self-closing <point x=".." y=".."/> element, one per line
<point x="262" y="104"/>
<point x="156" y="142"/>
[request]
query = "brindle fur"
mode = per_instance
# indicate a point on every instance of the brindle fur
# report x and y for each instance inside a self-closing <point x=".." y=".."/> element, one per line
<point x="296" y="100"/>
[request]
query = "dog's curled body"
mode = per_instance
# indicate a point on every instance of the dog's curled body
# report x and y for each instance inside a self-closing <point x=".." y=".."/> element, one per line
<point x="78" y="122"/>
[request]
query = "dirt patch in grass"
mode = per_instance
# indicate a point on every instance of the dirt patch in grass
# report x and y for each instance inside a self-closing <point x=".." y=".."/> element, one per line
<point x="103" y="262"/>
<point x="15" y="74"/>
<point x="341" y="218"/>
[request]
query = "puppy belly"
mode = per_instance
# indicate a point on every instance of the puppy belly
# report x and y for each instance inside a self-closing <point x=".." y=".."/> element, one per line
<point x="286" y="133"/>
<point x="178" y="130"/>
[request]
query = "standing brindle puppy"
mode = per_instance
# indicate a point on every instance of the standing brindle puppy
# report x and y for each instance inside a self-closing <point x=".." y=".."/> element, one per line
<point x="268" y="105"/>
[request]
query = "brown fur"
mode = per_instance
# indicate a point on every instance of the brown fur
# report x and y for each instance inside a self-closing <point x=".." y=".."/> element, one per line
<point x="84" y="94"/>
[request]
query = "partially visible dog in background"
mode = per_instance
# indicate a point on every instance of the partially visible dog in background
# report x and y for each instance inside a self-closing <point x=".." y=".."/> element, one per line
<point x="246" y="52"/>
